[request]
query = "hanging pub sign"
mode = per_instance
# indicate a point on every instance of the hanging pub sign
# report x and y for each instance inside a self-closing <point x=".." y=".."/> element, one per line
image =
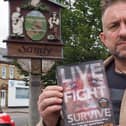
<point x="35" y="29"/>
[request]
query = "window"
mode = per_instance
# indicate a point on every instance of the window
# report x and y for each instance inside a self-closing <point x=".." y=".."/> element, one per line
<point x="3" y="72"/>
<point x="22" y="93"/>
<point x="11" y="72"/>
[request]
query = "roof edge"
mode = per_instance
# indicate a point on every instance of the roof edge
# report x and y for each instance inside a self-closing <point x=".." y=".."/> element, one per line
<point x="59" y="4"/>
<point x="54" y="2"/>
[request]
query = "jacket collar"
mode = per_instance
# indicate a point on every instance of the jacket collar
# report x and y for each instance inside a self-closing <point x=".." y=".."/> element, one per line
<point x="108" y="61"/>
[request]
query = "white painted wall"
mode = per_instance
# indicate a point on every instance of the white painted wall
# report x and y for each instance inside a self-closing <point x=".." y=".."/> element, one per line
<point x="18" y="94"/>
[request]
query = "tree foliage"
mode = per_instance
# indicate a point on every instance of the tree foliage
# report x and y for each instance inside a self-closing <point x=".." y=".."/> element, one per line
<point x="81" y="25"/>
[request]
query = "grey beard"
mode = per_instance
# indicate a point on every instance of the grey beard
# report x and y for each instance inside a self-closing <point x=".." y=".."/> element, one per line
<point x="118" y="55"/>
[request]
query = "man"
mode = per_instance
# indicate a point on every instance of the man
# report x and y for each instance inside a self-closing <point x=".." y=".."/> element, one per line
<point x="17" y="22"/>
<point x="114" y="38"/>
<point x="53" y="25"/>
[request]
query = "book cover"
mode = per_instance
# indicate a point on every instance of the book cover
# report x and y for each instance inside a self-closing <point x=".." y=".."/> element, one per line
<point x="86" y="100"/>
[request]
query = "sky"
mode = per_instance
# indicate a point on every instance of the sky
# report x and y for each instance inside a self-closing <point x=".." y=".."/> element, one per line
<point x="4" y="22"/>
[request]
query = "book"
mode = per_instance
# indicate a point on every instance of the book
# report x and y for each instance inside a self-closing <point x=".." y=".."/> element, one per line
<point x="86" y="100"/>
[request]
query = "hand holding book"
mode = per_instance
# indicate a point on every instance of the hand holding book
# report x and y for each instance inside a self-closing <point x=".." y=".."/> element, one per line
<point x="49" y="104"/>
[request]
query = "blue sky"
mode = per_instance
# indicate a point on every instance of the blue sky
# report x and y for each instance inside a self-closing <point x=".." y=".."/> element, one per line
<point x="4" y="22"/>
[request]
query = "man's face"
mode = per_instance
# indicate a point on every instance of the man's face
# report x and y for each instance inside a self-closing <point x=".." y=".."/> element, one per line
<point x="114" y="29"/>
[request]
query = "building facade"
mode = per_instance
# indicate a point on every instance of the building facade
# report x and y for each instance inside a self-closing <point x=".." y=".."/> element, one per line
<point x="8" y="71"/>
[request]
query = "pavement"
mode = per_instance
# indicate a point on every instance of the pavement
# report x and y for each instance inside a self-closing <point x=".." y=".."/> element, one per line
<point x="15" y="110"/>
